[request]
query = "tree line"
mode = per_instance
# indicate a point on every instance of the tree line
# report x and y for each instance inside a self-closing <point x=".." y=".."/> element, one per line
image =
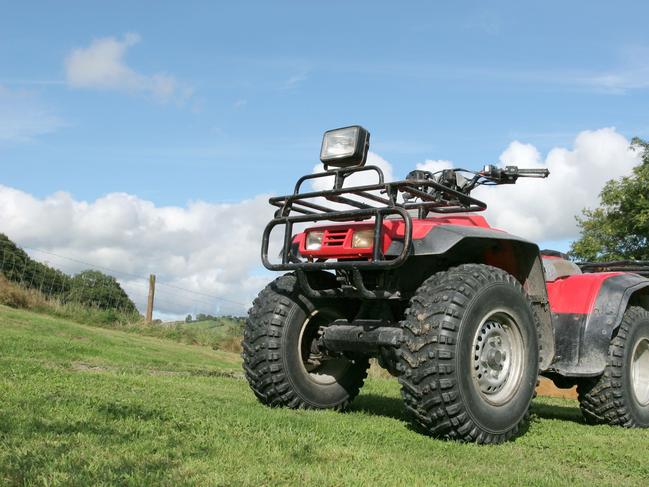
<point x="89" y="287"/>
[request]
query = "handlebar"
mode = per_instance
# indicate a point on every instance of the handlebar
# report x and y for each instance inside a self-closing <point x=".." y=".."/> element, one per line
<point x="509" y="174"/>
<point x="491" y="175"/>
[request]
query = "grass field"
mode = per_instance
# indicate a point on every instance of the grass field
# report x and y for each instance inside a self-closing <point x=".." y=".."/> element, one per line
<point x="223" y="334"/>
<point x="81" y="405"/>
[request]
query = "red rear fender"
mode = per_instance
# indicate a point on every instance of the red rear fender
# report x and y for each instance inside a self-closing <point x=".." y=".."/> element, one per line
<point x="587" y="309"/>
<point x="576" y="294"/>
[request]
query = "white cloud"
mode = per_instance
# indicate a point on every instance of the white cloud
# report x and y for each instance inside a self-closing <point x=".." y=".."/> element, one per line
<point x="358" y="179"/>
<point x="632" y="74"/>
<point x="211" y="249"/>
<point x="434" y="165"/>
<point x="101" y="65"/>
<point x="619" y="82"/>
<point x="540" y="209"/>
<point x="23" y="117"/>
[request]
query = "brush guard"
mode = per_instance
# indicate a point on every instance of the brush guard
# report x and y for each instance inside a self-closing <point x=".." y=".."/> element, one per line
<point x="422" y="195"/>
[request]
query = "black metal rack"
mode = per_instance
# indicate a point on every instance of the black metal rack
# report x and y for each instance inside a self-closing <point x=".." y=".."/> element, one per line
<point x="640" y="267"/>
<point x="372" y="201"/>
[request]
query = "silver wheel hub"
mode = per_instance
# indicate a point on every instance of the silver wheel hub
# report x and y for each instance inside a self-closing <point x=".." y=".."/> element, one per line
<point x="497" y="361"/>
<point x="640" y="371"/>
<point x="321" y="369"/>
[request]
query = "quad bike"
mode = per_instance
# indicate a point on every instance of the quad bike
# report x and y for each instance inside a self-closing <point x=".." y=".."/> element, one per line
<point x="465" y="315"/>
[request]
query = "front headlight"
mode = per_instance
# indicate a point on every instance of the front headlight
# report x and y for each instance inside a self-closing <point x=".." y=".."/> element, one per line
<point x="363" y="239"/>
<point x="314" y="240"/>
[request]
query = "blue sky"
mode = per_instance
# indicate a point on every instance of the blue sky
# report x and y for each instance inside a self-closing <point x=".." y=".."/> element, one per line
<point x="145" y="137"/>
<point x="456" y="81"/>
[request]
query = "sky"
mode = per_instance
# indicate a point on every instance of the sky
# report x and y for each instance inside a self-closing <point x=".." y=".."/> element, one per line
<point x="147" y="136"/>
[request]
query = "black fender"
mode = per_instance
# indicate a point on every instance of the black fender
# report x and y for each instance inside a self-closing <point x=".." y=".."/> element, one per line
<point x="582" y="340"/>
<point x="442" y="238"/>
<point x="459" y="244"/>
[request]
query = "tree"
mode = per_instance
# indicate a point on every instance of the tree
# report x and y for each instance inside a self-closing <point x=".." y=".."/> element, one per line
<point x="188" y="319"/>
<point x="204" y="317"/>
<point x="94" y="288"/>
<point x="619" y="228"/>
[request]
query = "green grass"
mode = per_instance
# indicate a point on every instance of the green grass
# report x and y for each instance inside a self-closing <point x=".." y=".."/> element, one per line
<point x="224" y="334"/>
<point x="81" y="405"/>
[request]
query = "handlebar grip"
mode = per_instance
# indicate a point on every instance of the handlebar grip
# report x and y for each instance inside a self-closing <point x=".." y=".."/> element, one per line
<point x="529" y="173"/>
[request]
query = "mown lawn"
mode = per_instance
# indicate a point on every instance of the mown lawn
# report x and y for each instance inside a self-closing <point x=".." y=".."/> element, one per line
<point x="89" y="406"/>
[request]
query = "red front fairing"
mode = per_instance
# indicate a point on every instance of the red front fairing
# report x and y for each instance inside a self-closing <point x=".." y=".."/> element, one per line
<point x="337" y="241"/>
<point x="576" y="294"/>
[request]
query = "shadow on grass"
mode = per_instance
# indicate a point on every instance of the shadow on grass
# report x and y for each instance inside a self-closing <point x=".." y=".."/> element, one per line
<point x="562" y="413"/>
<point x="388" y="407"/>
<point x="391" y="407"/>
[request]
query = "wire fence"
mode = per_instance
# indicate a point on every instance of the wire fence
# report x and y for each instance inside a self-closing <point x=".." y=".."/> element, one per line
<point x="67" y="278"/>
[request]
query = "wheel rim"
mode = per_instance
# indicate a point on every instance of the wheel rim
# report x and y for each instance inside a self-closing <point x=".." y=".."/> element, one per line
<point x="320" y="369"/>
<point x="497" y="358"/>
<point x="640" y="371"/>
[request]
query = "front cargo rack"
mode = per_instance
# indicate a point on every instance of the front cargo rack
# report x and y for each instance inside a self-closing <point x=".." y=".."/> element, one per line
<point x="359" y="203"/>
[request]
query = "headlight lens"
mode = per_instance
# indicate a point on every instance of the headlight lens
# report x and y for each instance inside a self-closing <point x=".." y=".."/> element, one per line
<point x="363" y="239"/>
<point x="339" y="143"/>
<point x="314" y="240"/>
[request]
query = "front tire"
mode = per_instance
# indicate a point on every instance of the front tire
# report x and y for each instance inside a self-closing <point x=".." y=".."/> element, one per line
<point x="620" y="396"/>
<point x="281" y="364"/>
<point x="469" y="360"/>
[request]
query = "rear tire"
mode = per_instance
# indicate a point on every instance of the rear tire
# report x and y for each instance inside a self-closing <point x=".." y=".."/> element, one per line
<point x="469" y="360"/>
<point x="620" y="396"/>
<point x="279" y="362"/>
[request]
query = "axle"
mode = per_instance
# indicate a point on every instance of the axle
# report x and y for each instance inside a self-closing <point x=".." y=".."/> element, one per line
<point x="360" y="336"/>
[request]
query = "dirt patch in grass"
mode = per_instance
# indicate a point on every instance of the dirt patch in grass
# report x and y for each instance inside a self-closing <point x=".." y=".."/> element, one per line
<point x="228" y="374"/>
<point x="83" y="367"/>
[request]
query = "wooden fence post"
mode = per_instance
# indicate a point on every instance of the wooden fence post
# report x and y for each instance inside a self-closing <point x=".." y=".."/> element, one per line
<point x="149" y="303"/>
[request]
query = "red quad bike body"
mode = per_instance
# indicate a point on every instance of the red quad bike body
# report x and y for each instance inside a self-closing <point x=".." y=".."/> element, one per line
<point x="586" y="308"/>
<point x="466" y="316"/>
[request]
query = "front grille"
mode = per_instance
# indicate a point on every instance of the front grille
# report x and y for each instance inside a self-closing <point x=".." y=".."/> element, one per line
<point x="335" y="238"/>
